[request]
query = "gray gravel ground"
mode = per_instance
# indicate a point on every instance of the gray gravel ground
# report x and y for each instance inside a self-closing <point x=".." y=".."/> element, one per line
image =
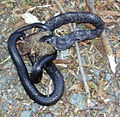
<point x="104" y="87"/>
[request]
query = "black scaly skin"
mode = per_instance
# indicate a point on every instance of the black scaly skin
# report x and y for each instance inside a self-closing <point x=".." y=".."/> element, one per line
<point x="65" y="42"/>
<point x="60" y="43"/>
<point x="34" y="25"/>
<point x="28" y="85"/>
<point x="38" y="66"/>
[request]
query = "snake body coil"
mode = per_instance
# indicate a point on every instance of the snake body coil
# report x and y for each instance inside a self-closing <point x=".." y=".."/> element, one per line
<point x="65" y="42"/>
<point x="60" y="43"/>
<point x="29" y="87"/>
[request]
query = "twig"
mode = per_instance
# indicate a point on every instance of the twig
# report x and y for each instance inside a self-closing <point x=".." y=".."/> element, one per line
<point x="92" y="108"/>
<point x="79" y="59"/>
<point x="91" y="7"/>
<point x="5" y="60"/>
<point x="117" y="6"/>
<point x="59" y="5"/>
<point x="83" y="73"/>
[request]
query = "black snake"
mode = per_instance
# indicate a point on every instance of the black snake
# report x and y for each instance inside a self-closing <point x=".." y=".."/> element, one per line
<point x="60" y="43"/>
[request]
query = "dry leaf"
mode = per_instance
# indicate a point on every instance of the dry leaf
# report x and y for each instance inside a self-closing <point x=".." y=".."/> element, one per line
<point x="62" y="61"/>
<point x="84" y="43"/>
<point x="109" y="52"/>
<point x="29" y="18"/>
<point x="61" y="2"/>
<point x="108" y="21"/>
<point x="93" y="85"/>
<point x="47" y="15"/>
<point x="106" y="13"/>
<point x="118" y="53"/>
<point x="77" y="87"/>
<point x="74" y="87"/>
<point x="101" y="5"/>
<point x="110" y="108"/>
<point x="101" y="93"/>
<point x="110" y="2"/>
<point x="18" y="24"/>
<point x="2" y="12"/>
<point x="72" y="72"/>
<point x="118" y="20"/>
<point x="54" y="7"/>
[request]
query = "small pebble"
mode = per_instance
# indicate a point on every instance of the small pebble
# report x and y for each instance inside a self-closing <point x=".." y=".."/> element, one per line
<point x="89" y="77"/>
<point x="1" y="36"/>
<point x="96" y="72"/>
<point x="105" y="111"/>
<point x="20" y="89"/>
<point x="63" y="54"/>
<point x="94" y="102"/>
<point x="116" y="93"/>
<point x="13" y="70"/>
<point x="4" y="44"/>
<point x="108" y="77"/>
<point x="118" y="60"/>
<point x="9" y="64"/>
<point x="7" y="76"/>
<point x="26" y="114"/>
<point x="48" y="115"/>
<point x="10" y="101"/>
<point x="56" y="110"/>
<point x="78" y="100"/>
<point x="112" y="99"/>
<point x="34" y="109"/>
<point x="5" y="108"/>
<point x="4" y="96"/>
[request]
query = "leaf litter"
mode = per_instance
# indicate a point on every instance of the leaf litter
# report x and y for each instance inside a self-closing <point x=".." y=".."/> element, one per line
<point x="101" y="89"/>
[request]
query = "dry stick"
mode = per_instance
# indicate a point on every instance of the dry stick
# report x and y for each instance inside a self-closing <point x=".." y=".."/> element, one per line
<point x="82" y="72"/>
<point x="92" y="108"/>
<point x="91" y="4"/>
<point x="79" y="59"/>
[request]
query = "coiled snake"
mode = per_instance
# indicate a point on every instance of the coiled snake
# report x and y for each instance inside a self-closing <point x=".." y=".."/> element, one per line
<point x="45" y="62"/>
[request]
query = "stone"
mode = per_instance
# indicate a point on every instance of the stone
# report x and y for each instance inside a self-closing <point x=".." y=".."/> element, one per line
<point x="108" y="77"/>
<point x="78" y="100"/>
<point x="26" y="114"/>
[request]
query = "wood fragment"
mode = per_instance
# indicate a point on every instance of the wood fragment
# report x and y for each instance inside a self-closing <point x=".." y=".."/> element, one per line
<point x="62" y="61"/>
<point x="110" y="55"/>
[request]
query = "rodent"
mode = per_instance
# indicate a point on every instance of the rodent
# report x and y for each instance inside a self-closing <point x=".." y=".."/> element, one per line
<point x="33" y="45"/>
